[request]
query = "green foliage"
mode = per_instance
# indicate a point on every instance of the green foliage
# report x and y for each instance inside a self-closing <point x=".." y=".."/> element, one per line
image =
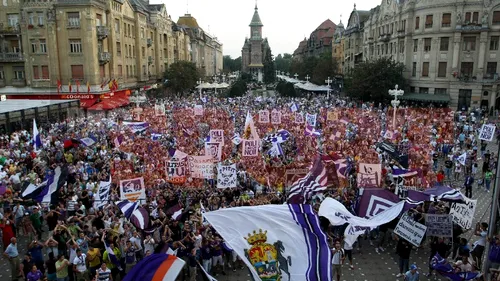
<point x="238" y="88"/>
<point x="182" y="76"/>
<point x="269" y="74"/>
<point x="230" y="64"/>
<point x="318" y="68"/>
<point x="283" y="62"/>
<point x="371" y="80"/>
<point x="286" y="89"/>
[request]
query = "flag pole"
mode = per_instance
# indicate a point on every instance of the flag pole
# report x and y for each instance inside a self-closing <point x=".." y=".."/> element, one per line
<point x="493" y="216"/>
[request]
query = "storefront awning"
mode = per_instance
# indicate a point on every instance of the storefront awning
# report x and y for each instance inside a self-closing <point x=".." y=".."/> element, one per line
<point x="87" y="103"/>
<point x="426" y="97"/>
<point x="111" y="103"/>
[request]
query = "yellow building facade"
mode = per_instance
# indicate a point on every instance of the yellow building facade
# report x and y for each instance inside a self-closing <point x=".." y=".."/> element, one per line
<point x="85" y="44"/>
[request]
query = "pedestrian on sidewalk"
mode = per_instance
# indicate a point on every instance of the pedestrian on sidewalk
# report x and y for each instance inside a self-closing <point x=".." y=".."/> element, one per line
<point x="469" y="180"/>
<point x="403" y="250"/>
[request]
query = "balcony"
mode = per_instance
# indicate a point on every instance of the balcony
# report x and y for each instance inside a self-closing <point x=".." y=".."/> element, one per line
<point x="102" y="32"/>
<point x="10" y="29"/>
<point x="104" y="57"/>
<point x="18" y="82"/>
<point x="471" y="28"/>
<point x="384" y="37"/>
<point x="11" y="57"/>
<point x="150" y="60"/>
<point x="490" y="77"/>
<point x="149" y="42"/>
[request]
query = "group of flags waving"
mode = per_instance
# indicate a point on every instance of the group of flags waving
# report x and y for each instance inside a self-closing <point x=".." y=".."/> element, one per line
<point x="111" y="83"/>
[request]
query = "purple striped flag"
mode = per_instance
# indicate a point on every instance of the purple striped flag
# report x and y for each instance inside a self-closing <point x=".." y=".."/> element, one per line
<point x="315" y="181"/>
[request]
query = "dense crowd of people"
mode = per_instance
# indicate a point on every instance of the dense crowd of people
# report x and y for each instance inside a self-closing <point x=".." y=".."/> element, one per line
<point x="66" y="240"/>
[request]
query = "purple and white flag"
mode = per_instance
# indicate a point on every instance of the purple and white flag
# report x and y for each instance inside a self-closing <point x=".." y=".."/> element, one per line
<point x="136" y="126"/>
<point x="311" y="131"/>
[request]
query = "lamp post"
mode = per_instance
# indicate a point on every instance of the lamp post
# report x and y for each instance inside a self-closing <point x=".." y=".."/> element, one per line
<point x="199" y="83"/>
<point x="328" y="81"/>
<point x="395" y="103"/>
<point x="307" y="78"/>
<point x="296" y="76"/>
<point x="288" y="74"/>
<point x="223" y="77"/>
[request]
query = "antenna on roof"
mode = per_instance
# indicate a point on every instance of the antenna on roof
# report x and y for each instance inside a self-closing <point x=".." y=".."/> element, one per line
<point x="187" y="6"/>
<point x="255" y="4"/>
<point x="340" y="18"/>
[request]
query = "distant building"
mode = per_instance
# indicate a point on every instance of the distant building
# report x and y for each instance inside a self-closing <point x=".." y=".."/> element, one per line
<point x="206" y="51"/>
<point x="338" y="47"/>
<point x="319" y="42"/>
<point x="254" y="49"/>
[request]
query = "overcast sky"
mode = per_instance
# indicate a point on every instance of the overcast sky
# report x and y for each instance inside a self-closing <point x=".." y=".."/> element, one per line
<point x="286" y="22"/>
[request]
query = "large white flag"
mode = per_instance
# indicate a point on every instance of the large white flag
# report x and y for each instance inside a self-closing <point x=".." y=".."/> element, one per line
<point x="337" y="214"/>
<point x="276" y="242"/>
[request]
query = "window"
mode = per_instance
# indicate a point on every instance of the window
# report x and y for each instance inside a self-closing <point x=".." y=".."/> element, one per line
<point x="36" y="75"/>
<point x="127" y="70"/>
<point x="475" y="17"/>
<point x="43" y="46"/>
<point x="14" y="44"/>
<point x="142" y="32"/>
<point x="425" y="69"/>
<point x="467" y="17"/>
<point x="442" y="69"/>
<point x="132" y="51"/>
<point x="120" y="70"/>
<point x="77" y="72"/>
<point x="45" y="72"/>
<point x="31" y="18"/>
<point x="496" y="18"/>
<point x="491" y="68"/>
<point x="401" y="47"/>
<point x="75" y="46"/>
<point x="428" y="21"/>
<point x="134" y="71"/>
<point x="119" y="48"/>
<point x="1" y="73"/>
<point x="13" y="20"/>
<point x="143" y="70"/>
<point x="40" y="17"/>
<point x="427" y="44"/>
<point x="33" y="46"/>
<point x="414" y="70"/>
<point x="440" y="91"/>
<point x="143" y="51"/>
<point x="417" y="23"/>
<point x="444" y="44"/>
<point x="446" y="20"/>
<point x="73" y="19"/>
<point x="98" y="20"/>
<point x="423" y="90"/>
<point x="415" y="45"/>
<point x="467" y="68"/>
<point x="469" y="43"/>
<point x="494" y="43"/>
<point x="18" y="72"/>
<point x="117" y="26"/>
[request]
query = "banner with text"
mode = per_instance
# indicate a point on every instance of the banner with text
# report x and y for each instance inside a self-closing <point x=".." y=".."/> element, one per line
<point x="264" y="116"/>
<point x="439" y="225"/>
<point x="226" y="176"/>
<point x="133" y="189"/>
<point x="311" y="120"/>
<point x="250" y="147"/>
<point x="176" y="170"/>
<point x="214" y="150"/>
<point x="198" y="110"/>
<point x="463" y="213"/>
<point x="217" y="136"/>
<point x="201" y="167"/>
<point x="299" y="117"/>
<point x="275" y="117"/>
<point x="487" y="132"/>
<point x="410" y="230"/>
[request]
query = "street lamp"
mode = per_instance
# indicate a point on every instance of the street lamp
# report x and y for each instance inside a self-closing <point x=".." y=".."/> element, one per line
<point x="223" y="77"/>
<point x="296" y="76"/>
<point x="328" y="81"/>
<point x="199" y="83"/>
<point x="395" y="103"/>
<point x="307" y="78"/>
<point x="288" y="74"/>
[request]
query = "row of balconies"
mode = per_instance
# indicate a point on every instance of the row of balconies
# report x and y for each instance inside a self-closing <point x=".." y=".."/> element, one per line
<point x="10" y="29"/>
<point x="16" y="82"/>
<point x="11" y="57"/>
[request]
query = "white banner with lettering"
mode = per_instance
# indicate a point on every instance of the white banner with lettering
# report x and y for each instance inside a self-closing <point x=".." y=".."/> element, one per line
<point x="275" y="117"/>
<point x="201" y="167"/>
<point x="133" y="189"/>
<point x="487" y="132"/>
<point x="410" y="230"/>
<point x="217" y="136"/>
<point x="311" y="119"/>
<point x="463" y="214"/>
<point x="250" y="147"/>
<point x="226" y="176"/>
<point x="337" y="214"/>
<point x="198" y="110"/>
<point x="214" y="150"/>
<point x="264" y="116"/>
<point x="439" y="225"/>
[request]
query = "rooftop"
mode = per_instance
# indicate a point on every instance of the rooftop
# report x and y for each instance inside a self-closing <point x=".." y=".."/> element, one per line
<point x="188" y="21"/>
<point x="256" y="18"/>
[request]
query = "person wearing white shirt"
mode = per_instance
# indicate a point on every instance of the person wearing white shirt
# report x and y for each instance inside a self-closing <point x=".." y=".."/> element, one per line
<point x="337" y="260"/>
<point x="149" y="244"/>
<point x="480" y="244"/>
<point x="79" y="266"/>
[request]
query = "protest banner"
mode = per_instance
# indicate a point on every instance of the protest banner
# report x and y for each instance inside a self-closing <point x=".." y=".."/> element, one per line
<point x="311" y="119"/>
<point x="133" y="189"/>
<point x="487" y="132"/>
<point x="275" y="117"/>
<point x="176" y="170"/>
<point x="201" y="167"/>
<point x="331" y="116"/>
<point x="159" y="109"/>
<point x="198" y="110"/>
<point x="217" y="136"/>
<point x="250" y="147"/>
<point x="369" y="175"/>
<point x="264" y="116"/>
<point x="299" y="117"/>
<point x="214" y="150"/>
<point x="226" y="176"/>
<point x="439" y="225"/>
<point x="410" y="230"/>
<point x="293" y="175"/>
<point x="463" y="213"/>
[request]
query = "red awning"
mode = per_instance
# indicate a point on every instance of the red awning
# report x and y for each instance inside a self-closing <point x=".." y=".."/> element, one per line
<point x="111" y="103"/>
<point x="87" y="103"/>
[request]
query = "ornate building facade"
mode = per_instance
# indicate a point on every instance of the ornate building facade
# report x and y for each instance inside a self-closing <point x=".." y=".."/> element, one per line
<point x="73" y="48"/>
<point x="206" y="50"/>
<point x="450" y="48"/>
<point x="319" y="42"/>
<point x="254" y="49"/>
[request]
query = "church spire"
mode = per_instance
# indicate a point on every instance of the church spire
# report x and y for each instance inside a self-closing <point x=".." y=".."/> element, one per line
<point x="256" y="18"/>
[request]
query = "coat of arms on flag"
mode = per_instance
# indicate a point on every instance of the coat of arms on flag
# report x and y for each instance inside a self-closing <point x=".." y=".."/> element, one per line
<point x="267" y="259"/>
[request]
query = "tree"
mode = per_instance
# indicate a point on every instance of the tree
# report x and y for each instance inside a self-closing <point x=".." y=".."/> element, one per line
<point x="238" y="89"/>
<point x="286" y="89"/>
<point x="283" y="62"/>
<point x="371" y="80"/>
<point x="230" y="64"/>
<point x="269" y="74"/>
<point x="182" y="76"/>
<point x="325" y="67"/>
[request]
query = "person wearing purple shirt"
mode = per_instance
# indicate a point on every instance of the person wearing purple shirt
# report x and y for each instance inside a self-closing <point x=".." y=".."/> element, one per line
<point x="217" y="261"/>
<point x="34" y="274"/>
<point x="206" y="255"/>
